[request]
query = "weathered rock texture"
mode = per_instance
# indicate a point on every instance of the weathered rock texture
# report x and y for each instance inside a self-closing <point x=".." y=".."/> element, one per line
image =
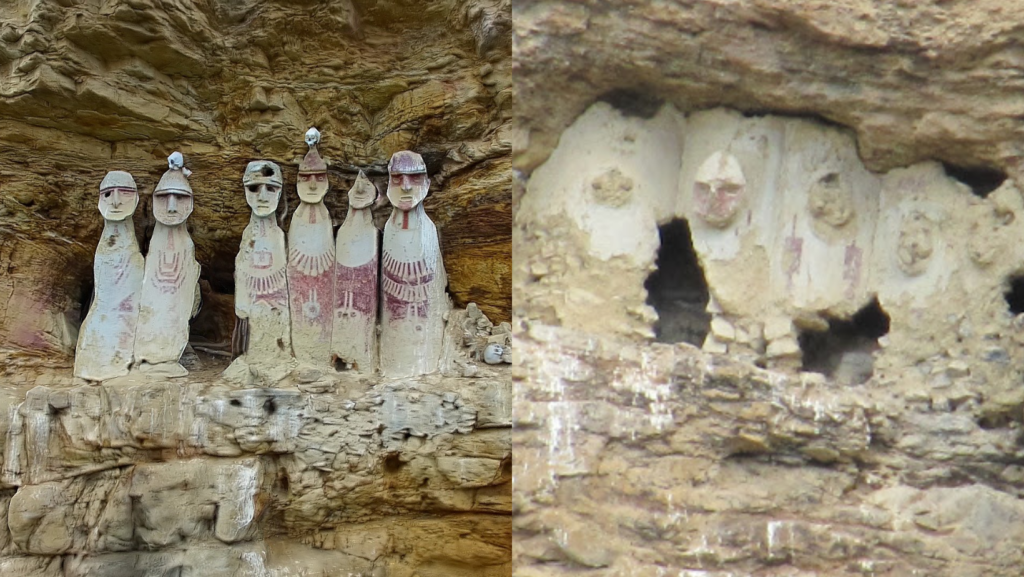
<point x="653" y="460"/>
<point x="337" y="476"/>
<point x="195" y="477"/>
<point x="92" y="86"/>
<point x="899" y="454"/>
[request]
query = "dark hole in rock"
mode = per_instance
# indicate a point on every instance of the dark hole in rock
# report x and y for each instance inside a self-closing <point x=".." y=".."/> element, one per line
<point x="85" y="294"/>
<point x="392" y="463"/>
<point x="270" y="407"/>
<point x="211" y="328"/>
<point x="341" y="364"/>
<point x="253" y="188"/>
<point x="677" y="289"/>
<point x="804" y="114"/>
<point x="282" y="483"/>
<point x="434" y="161"/>
<point x="844" y="352"/>
<point x="236" y="403"/>
<point x="633" y="102"/>
<point x="267" y="171"/>
<point x="981" y="179"/>
<point x="1015" y="295"/>
<point x="997" y="420"/>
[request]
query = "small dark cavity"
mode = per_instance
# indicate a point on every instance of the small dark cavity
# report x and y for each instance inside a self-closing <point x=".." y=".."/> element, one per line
<point x="981" y="179"/>
<point x="845" y="350"/>
<point x="633" y="102"/>
<point x="678" y="290"/>
<point x="1015" y="295"/>
<point x="392" y="463"/>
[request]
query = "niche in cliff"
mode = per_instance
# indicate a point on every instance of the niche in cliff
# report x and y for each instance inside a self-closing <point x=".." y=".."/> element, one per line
<point x="1015" y="295"/>
<point x="982" y="180"/>
<point x="635" y="103"/>
<point x="845" y="351"/>
<point x="678" y="290"/>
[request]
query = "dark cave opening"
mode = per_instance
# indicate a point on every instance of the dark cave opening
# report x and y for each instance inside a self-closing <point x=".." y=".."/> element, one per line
<point x="678" y="290"/>
<point x="981" y="179"/>
<point x="844" y="352"/>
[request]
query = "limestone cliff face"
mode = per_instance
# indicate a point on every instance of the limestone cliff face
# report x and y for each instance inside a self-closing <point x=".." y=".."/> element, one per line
<point x="193" y="477"/>
<point x="851" y="199"/>
<point x="89" y="87"/>
<point x="334" y="474"/>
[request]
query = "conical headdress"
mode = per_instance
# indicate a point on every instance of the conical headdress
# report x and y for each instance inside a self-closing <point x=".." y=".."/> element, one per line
<point x="363" y="184"/>
<point x="312" y="163"/>
<point x="365" y="187"/>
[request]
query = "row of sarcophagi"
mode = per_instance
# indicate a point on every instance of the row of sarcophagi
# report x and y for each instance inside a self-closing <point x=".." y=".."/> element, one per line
<point x="311" y="299"/>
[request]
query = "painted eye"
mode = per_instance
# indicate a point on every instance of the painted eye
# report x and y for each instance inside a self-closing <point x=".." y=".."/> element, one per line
<point x="321" y="177"/>
<point x="272" y="189"/>
<point x="106" y="194"/>
<point x="253" y="188"/>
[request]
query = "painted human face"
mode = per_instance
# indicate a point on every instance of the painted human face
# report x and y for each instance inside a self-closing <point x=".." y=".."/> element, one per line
<point x="118" y="203"/>
<point x="262" y="197"/>
<point x="312" y="187"/>
<point x="362" y="194"/>
<point x="405" y="191"/>
<point x="171" y="208"/>
<point x="719" y="189"/>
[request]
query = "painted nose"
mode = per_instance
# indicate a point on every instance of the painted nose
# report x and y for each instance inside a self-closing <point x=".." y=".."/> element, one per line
<point x="172" y="203"/>
<point x="406" y="184"/>
<point x="116" y="199"/>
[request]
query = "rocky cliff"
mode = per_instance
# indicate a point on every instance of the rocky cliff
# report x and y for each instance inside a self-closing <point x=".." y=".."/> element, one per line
<point x="332" y="474"/>
<point x="95" y="86"/>
<point x="768" y="289"/>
